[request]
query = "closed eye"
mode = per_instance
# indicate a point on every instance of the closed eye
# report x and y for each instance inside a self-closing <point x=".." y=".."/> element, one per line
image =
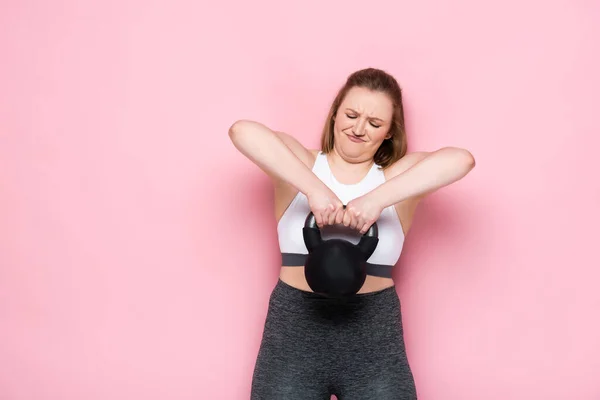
<point x="354" y="117"/>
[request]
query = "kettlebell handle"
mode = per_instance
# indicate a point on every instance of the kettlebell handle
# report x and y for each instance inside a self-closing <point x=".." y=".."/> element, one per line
<point x="311" y="222"/>
<point x="312" y="237"/>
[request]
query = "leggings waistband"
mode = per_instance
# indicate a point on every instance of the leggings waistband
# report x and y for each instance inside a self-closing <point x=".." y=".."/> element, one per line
<point x="294" y="299"/>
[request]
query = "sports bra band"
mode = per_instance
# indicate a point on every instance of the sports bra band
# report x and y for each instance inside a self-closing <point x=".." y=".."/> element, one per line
<point x="298" y="260"/>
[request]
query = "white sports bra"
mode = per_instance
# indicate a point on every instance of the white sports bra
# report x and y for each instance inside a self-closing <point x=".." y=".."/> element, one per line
<point x="391" y="234"/>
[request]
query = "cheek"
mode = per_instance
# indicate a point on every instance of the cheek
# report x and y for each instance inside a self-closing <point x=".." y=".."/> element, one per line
<point x="378" y="135"/>
<point x="341" y="126"/>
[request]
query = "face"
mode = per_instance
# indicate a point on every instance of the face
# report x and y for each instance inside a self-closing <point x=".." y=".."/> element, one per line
<point x="362" y="123"/>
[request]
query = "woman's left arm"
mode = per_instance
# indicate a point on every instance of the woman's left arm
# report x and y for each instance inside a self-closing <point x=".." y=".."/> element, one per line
<point x="433" y="171"/>
<point x="412" y="177"/>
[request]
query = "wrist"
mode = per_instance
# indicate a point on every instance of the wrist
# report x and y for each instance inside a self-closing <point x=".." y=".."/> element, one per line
<point x="380" y="197"/>
<point x="312" y="186"/>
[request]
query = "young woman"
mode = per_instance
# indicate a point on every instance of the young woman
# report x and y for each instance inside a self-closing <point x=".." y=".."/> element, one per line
<point x="314" y="346"/>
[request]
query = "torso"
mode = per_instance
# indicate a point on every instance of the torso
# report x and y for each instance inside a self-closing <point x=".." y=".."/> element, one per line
<point x="294" y="276"/>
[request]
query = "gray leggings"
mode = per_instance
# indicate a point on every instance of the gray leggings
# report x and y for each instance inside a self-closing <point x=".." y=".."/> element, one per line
<point x="313" y="347"/>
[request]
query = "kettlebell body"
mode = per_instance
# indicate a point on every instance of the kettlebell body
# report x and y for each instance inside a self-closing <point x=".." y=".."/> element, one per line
<point x="336" y="267"/>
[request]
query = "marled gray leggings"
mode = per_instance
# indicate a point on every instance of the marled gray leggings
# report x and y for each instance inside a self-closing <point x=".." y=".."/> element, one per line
<point x="313" y="347"/>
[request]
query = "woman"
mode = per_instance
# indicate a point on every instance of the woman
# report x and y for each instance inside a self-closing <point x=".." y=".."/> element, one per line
<point x="313" y="346"/>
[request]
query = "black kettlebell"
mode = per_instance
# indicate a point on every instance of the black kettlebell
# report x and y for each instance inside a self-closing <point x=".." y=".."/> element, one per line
<point x="336" y="267"/>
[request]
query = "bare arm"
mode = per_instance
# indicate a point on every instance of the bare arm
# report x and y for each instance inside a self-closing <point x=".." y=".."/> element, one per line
<point x="429" y="172"/>
<point x="410" y="179"/>
<point x="286" y="161"/>
<point x="270" y="152"/>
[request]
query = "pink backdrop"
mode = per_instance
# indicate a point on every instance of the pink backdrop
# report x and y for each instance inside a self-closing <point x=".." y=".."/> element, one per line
<point x="138" y="249"/>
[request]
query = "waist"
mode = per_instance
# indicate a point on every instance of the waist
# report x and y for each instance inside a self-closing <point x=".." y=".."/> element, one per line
<point x="294" y="276"/>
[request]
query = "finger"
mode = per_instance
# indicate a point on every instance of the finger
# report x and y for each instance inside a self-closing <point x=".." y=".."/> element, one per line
<point x="325" y="217"/>
<point x="346" y="219"/>
<point x="360" y="222"/>
<point x="353" y="222"/>
<point x="339" y="217"/>
<point x="365" y="228"/>
<point x="318" y="219"/>
<point x="323" y="213"/>
<point x="332" y="216"/>
<point x="358" y="218"/>
<point x="362" y="229"/>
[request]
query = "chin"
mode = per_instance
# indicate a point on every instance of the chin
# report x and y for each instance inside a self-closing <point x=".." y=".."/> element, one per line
<point x="351" y="150"/>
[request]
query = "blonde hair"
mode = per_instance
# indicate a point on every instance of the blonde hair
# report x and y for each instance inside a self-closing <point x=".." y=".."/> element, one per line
<point x="392" y="149"/>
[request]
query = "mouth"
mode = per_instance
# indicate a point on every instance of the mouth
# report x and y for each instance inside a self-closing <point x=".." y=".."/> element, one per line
<point x="355" y="139"/>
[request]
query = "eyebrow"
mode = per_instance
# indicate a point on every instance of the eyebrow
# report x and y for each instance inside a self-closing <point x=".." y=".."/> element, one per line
<point x="372" y="118"/>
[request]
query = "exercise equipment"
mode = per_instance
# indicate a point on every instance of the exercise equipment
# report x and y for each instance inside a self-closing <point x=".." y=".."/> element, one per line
<point x="336" y="267"/>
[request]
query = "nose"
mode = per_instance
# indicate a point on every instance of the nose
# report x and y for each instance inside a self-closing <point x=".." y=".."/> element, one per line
<point x="359" y="128"/>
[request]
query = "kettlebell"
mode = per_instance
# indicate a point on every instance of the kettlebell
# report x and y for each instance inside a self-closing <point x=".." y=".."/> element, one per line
<point x="336" y="267"/>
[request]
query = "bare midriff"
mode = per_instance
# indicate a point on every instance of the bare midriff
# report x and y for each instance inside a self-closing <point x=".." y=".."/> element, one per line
<point x="294" y="276"/>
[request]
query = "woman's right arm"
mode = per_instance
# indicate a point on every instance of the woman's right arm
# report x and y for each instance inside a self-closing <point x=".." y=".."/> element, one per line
<point x="268" y="151"/>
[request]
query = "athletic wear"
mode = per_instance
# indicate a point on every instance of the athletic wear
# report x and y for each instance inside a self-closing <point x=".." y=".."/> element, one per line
<point x="391" y="235"/>
<point x="314" y="346"/>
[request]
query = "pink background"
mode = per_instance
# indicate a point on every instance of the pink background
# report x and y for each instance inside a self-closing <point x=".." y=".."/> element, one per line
<point x="138" y="248"/>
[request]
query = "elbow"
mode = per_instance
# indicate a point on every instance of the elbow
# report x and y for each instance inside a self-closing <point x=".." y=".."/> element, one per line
<point x="467" y="159"/>
<point x="239" y="128"/>
<point x="463" y="158"/>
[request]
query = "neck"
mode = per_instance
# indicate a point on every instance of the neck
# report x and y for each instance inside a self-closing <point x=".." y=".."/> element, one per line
<point x="347" y="168"/>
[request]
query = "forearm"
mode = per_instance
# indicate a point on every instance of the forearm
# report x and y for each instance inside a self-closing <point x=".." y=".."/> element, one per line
<point x="264" y="148"/>
<point x="438" y="169"/>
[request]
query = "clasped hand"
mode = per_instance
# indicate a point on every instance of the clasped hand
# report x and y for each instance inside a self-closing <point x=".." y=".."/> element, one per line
<point x="359" y="214"/>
